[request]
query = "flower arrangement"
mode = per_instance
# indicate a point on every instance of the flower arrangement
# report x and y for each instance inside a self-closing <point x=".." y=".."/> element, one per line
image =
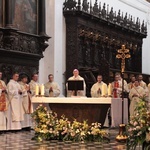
<point x="138" y="129"/>
<point x="49" y="127"/>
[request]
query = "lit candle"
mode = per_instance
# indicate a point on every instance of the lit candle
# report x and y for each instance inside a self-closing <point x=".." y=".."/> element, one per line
<point x="42" y="90"/>
<point x="109" y="89"/>
<point x="36" y="90"/>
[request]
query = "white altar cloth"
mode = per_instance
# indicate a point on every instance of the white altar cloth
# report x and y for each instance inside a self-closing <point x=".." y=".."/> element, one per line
<point x="116" y="105"/>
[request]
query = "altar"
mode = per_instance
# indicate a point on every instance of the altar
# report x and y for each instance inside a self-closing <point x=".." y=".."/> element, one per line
<point x="90" y="109"/>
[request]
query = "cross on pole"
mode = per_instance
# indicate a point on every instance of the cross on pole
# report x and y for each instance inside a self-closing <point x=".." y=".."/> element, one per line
<point x="123" y="53"/>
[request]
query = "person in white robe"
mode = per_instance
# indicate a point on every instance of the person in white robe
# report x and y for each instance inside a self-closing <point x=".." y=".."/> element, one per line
<point x="99" y="89"/>
<point x="144" y="85"/>
<point x="33" y="84"/>
<point x="76" y="76"/>
<point x="26" y="101"/>
<point x="116" y="87"/>
<point x="52" y="88"/>
<point x="136" y="93"/>
<point x="3" y="104"/>
<point x="141" y="82"/>
<point x="15" y="111"/>
<point x="131" y="84"/>
<point x="123" y="82"/>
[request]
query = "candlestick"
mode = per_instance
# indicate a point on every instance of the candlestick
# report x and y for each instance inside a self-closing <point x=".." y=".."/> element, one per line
<point x="36" y="90"/>
<point x="109" y="89"/>
<point x="42" y="90"/>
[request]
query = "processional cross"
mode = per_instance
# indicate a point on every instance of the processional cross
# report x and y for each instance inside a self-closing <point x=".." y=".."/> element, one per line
<point x="123" y="54"/>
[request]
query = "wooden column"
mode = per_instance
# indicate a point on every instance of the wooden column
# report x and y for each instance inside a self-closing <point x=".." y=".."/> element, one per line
<point x="41" y="19"/>
<point x="8" y="14"/>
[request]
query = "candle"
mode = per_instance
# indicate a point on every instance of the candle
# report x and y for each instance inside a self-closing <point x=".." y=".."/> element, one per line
<point x="109" y="89"/>
<point x="42" y="90"/>
<point x="36" y="90"/>
<point x="104" y="87"/>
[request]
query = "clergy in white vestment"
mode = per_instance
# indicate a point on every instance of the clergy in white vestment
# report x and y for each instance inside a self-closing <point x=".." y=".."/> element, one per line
<point x="99" y="88"/>
<point x="3" y="104"/>
<point x="135" y="94"/>
<point x="26" y="101"/>
<point x="76" y="76"/>
<point x="116" y="87"/>
<point x="124" y="82"/>
<point x="33" y="83"/>
<point x="52" y="88"/>
<point x="131" y="83"/>
<point x="15" y="110"/>
<point x="141" y="82"/>
<point x="144" y="85"/>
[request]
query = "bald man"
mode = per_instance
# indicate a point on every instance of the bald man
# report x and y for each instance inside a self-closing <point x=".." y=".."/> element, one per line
<point x="76" y="76"/>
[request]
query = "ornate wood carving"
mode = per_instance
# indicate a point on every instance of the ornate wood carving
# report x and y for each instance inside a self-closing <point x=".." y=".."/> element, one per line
<point x="94" y="34"/>
<point x="21" y="51"/>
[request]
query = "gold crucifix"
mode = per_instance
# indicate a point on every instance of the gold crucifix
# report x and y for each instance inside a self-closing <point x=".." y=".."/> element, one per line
<point x="123" y="53"/>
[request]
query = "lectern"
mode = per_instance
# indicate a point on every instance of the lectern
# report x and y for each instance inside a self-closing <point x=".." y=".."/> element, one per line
<point x="75" y="85"/>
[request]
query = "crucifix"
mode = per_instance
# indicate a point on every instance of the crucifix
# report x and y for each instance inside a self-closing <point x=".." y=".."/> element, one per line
<point x="123" y="54"/>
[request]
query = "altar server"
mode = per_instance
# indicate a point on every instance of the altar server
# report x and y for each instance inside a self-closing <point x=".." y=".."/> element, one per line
<point x="51" y="88"/>
<point x="131" y="84"/>
<point x="141" y="82"/>
<point x="15" y="110"/>
<point x="26" y="101"/>
<point x="3" y="104"/>
<point x="76" y="76"/>
<point x="33" y="83"/>
<point x="135" y="94"/>
<point x="99" y="88"/>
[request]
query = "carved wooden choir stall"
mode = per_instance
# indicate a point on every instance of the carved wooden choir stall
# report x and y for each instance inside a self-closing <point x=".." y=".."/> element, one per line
<point x="94" y="33"/>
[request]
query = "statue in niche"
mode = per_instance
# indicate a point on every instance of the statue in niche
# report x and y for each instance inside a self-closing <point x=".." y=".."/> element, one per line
<point x="95" y="8"/>
<point x="130" y="22"/>
<point x="137" y="25"/>
<point x="85" y="5"/>
<point x="70" y="4"/>
<point x="118" y="17"/>
<point x="125" y="20"/>
<point x="111" y="14"/>
<point x="143" y="27"/>
<point x="104" y="11"/>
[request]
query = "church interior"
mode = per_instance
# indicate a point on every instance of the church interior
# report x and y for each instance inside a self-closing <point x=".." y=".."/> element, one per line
<point x="74" y="74"/>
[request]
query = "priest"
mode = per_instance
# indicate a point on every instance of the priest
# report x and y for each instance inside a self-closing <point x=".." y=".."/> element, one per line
<point x="15" y="111"/>
<point x="99" y="88"/>
<point x="26" y="101"/>
<point x="141" y="82"/>
<point x="51" y="88"/>
<point x="131" y="84"/>
<point x="136" y="93"/>
<point x="33" y="83"/>
<point x="76" y="76"/>
<point x="116" y="87"/>
<point x="3" y="104"/>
